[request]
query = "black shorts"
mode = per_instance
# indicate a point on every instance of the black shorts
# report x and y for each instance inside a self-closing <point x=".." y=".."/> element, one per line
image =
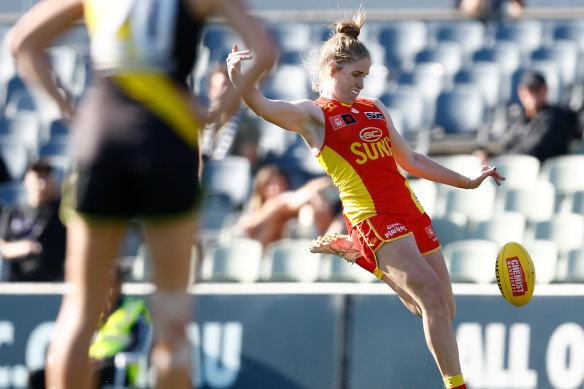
<point x="129" y="162"/>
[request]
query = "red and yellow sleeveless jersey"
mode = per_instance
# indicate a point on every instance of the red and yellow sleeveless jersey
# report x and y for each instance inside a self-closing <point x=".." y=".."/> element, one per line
<point x="357" y="154"/>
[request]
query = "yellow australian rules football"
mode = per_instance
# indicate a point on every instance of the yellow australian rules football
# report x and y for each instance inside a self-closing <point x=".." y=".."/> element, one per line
<point x="515" y="274"/>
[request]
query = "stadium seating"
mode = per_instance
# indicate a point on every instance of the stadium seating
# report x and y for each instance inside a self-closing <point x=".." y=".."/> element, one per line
<point x="477" y="205"/>
<point x="426" y="192"/>
<point x="23" y="129"/>
<point x="238" y="260"/>
<point x="471" y="260"/>
<point x="487" y="76"/>
<point x="528" y="33"/>
<point x="469" y="34"/>
<point x="410" y="102"/>
<point x="15" y="155"/>
<point x="402" y="41"/>
<point x="544" y="254"/>
<point x="450" y="228"/>
<point x="565" y="174"/>
<point x="565" y="229"/>
<point x="460" y="110"/>
<point x="565" y="54"/>
<point x="508" y="55"/>
<point x="230" y="176"/>
<point x="575" y="265"/>
<point x="570" y="29"/>
<point x="342" y="271"/>
<point x="520" y="171"/>
<point x="535" y="202"/>
<point x="501" y="228"/>
<point x="288" y="82"/>
<point x="429" y="78"/>
<point x="448" y="54"/>
<point x="578" y="202"/>
<point x="290" y="261"/>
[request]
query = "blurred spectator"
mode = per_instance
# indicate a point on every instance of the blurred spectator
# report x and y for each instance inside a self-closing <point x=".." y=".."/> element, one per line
<point x="124" y="327"/>
<point x="32" y="237"/>
<point x="537" y="128"/>
<point x="276" y="212"/>
<point x="234" y="132"/>
<point x="490" y="9"/>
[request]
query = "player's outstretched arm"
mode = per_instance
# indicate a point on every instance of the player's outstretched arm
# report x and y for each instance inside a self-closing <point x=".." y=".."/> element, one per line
<point x="293" y="116"/>
<point x="421" y="166"/>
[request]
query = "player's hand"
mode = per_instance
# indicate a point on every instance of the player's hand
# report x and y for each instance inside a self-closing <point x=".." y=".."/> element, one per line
<point x="486" y="171"/>
<point x="234" y="60"/>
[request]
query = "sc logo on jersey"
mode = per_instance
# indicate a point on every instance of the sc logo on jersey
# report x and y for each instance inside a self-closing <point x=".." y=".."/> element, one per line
<point x="370" y="134"/>
<point x="374" y="115"/>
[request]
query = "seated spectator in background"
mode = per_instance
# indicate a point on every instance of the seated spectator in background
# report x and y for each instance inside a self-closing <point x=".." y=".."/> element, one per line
<point x="273" y="207"/>
<point x="32" y="237"/>
<point x="490" y="9"/>
<point x="124" y="327"/>
<point x="234" y="132"/>
<point x="537" y="128"/>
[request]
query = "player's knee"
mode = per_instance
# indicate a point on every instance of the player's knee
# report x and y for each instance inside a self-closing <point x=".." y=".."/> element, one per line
<point x="432" y="300"/>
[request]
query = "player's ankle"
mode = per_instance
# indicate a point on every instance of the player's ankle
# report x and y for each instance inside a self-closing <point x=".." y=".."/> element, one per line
<point x="456" y="382"/>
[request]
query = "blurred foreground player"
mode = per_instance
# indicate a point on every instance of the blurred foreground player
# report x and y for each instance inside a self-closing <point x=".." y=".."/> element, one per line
<point x="136" y="155"/>
<point x="356" y="143"/>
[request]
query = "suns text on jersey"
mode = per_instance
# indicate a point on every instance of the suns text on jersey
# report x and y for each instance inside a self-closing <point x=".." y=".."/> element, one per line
<point x="371" y="150"/>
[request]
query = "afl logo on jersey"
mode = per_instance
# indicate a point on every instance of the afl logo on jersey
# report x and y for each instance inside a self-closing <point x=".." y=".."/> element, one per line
<point x="370" y="134"/>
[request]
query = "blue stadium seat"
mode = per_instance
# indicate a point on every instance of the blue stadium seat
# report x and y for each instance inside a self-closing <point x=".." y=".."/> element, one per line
<point x="506" y="53"/>
<point x="487" y="77"/>
<point x="460" y="110"/>
<point x="429" y="78"/>
<point x="565" y="229"/>
<point x="402" y="40"/>
<point x="448" y="54"/>
<point x="238" y="260"/>
<point x="288" y="82"/>
<point x="527" y="33"/>
<point x="565" y="54"/>
<point x="570" y="29"/>
<point x="291" y="261"/>
<point x="471" y="260"/>
<point x="470" y="34"/>
<point x="230" y="176"/>
<point x="292" y="36"/>
<point x="219" y="39"/>
<point x="21" y="101"/>
<point x="23" y="128"/>
<point x="411" y="103"/>
<point x="15" y="155"/>
<point x="449" y="229"/>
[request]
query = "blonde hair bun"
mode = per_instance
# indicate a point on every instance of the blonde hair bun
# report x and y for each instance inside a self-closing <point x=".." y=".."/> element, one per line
<point x="350" y="29"/>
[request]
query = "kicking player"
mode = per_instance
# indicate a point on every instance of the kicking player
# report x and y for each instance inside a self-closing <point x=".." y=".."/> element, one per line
<point x="357" y="144"/>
